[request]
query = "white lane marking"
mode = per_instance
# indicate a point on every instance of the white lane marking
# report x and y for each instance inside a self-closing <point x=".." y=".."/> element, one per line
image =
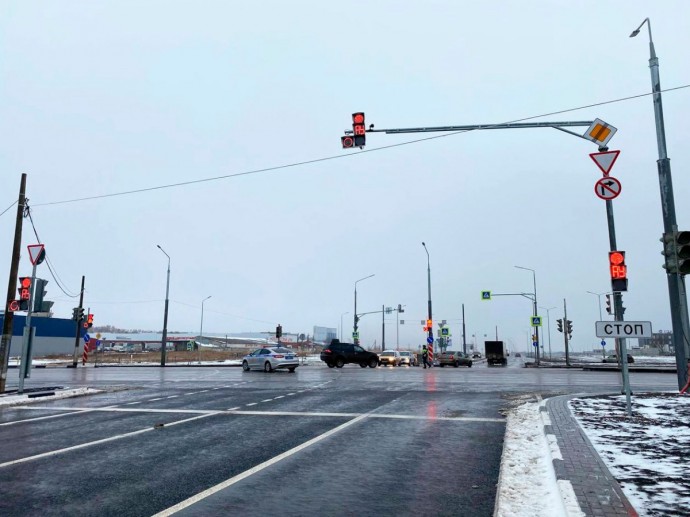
<point x="173" y="396"/>
<point x="132" y="403"/>
<point x="277" y="413"/>
<point x="154" y="400"/>
<point x="281" y="397"/>
<point x="215" y="388"/>
<point x="258" y="468"/>
<point x="203" y="391"/>
<point x="79" y="411"/>
<point x="97" y="442"/>
<point x="267" y="400"/>
<point x="234" y="408"/>
<point x="191" y="393"/>
<point x="290" y="394"/>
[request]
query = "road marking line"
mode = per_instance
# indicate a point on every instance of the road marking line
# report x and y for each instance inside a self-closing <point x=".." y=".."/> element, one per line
<point x="276" y="413"/>
<point x="215" y="388"/>
<point x="234" y="408"/>
<point x="290" y="394"/>
<point x="191" y="393"/>
<point x="258" y="468"/>
<point x="98" y="442"/>
<point x="154" y="400"/>
<point x="132" y="403"/>
<point x="173" y="396"/>
<point x="281" y="397"/>
<point x="267" y="400"/>
<point x="45" y="417"/>
<point x="203" y="391"/>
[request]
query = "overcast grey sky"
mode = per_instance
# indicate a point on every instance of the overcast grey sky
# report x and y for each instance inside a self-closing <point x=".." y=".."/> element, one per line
<point x="99" y="98"/>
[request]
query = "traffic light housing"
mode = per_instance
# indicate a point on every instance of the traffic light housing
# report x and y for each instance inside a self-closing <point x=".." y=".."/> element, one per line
<point x="75" y="314"/>
<point x="400" y="309"/>
<point x="39" y="295"/>
<point x="80" y="314"/>
<point x="358" y="129"/>
<point x="24" y="290"/>
<point x="618" y="271"/>
<point x="559" y="324"/>
<point x="89" y="321"/>
<point x="569" y="328"/>
<point x="676" y="252"/>
<point x="279" y="331"/>
<point x="608" y="304"/>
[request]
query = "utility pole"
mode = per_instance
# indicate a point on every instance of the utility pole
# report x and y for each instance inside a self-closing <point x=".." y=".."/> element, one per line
<point x="6" y="341"/>
<point x="76" y="337"/>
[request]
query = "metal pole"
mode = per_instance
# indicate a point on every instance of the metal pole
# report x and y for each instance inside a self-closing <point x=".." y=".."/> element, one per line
<point x="383" y="327"/>
<point x="565" y="333"/>
<point x="201" y="329"/>
<point x="464" y="342"/>
<point x="356" y="319"/>
<point x="8" y="320"/>
<point x="430" y="337"/>
<point x="676" y="292"/>
<point x="397" y="330"/>
<point x="621" y="349"/>
<point x="164" y="339"/>
<point x="76" y="337"/>
<point x="26" y="343"/>
<point x="534" y="308"/>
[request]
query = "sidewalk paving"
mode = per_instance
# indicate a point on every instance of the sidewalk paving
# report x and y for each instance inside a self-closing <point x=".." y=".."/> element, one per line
<point x="597" y="492"/>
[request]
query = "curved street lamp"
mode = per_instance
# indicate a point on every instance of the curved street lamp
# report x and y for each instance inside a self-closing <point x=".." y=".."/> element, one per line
<point x="548" y="323"/>
<point x="201" y="329"/>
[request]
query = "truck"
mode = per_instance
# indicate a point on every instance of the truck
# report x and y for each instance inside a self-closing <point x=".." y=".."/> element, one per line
<point x="495" y="352"/>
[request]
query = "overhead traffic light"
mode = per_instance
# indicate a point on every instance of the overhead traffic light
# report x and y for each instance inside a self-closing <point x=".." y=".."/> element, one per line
<point x="279" y="331"/>
<point x="618" y="270"/>
<point x="24" y="292"/>
<point x="608" y="304"/>
<point x="358" y="137"/>
<point x="559" y="323"/>
<point x="676" y="252"/>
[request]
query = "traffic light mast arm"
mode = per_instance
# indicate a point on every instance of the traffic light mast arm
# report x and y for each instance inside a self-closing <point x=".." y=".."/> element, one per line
<point x="529" y="296"/>
<point x="474" y="127"/>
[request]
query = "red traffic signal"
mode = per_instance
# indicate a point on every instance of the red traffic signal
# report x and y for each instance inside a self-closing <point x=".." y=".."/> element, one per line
<point x="358" y="138"/>
<point x="347" y="141"/>
<point x="618" y="271"/>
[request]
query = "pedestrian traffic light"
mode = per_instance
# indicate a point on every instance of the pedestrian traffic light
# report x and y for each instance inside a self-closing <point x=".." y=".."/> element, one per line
<point x="569" y="328"/>
<point x="676" y="252"/>
<point x="608" y="304"/>
<point x="279" y="331"/>
<point x="618" y="270"/>
<point x="24" y="292"/>
<point x="560" y="325"/>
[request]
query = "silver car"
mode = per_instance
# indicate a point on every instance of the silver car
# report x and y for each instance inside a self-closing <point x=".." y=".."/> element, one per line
<point x="270" y="359"/>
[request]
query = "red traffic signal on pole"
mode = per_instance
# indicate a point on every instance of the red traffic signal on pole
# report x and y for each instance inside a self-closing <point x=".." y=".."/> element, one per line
<point x="24" y="292"/>
<point x="618" y="270"/>
<point x="358" y="129"/>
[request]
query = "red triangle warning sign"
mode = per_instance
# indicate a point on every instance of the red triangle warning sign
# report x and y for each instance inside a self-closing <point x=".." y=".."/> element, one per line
<point x="36" y="253"/>
<point x="605" y="160"/>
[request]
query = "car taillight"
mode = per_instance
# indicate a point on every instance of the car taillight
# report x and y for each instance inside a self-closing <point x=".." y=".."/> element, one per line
<point x="327" y="351"/>
<point x="278" y="356"/>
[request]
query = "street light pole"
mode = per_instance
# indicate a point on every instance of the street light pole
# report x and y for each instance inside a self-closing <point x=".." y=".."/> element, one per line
<point x="536" y="329"/>
<point x="341" y="324"/>
<point x="676" y="284"/>
<point x="164" y="339"/>
<point x="201" y="328"/>
<point x="430" y="337"/>
<point x="356" y="319"/>
<point x="548" y="323"/>
<point x="598" y="295"/>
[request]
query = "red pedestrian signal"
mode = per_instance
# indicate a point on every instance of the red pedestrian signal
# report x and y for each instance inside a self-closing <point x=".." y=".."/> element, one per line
<point x="24" y="292"/>
<point x="618" y="270"/>
<point x="347" y="141"/>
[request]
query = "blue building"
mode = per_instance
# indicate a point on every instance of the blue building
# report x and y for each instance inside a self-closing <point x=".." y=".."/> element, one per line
<point x="54" y="336"/>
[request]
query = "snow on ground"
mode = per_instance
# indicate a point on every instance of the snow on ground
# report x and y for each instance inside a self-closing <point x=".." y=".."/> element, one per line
<point x="527" y="483"/>
<point x="23" y="399"/>
<point x="647" y="453"/>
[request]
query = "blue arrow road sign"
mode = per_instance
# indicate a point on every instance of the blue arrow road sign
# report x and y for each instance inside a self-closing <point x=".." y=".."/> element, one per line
<point x="536" y="343"/>
<point x="87" y="337"/>
<point x="603" y="343"/>
<point x="429" y="340"/>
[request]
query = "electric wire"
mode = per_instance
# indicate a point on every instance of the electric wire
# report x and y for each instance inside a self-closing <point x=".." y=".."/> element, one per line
<point x="340" y="156"/>
<point x="6" y="209"/>
<point x="27" y="213"/>
<point x="224" y="313"/>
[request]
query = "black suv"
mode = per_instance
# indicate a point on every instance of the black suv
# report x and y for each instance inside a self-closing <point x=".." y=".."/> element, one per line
<point x="338" y="354"/>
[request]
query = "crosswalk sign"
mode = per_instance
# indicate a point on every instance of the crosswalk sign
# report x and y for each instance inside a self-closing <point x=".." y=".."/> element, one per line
<point x="486" y="295"/>
<point x="536" y="321"/>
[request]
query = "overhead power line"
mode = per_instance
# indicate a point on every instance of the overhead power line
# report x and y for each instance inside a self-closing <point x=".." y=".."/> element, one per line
<point x="342" y="156"/>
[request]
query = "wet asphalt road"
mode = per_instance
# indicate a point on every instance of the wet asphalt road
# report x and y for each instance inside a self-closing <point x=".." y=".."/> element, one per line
<point x="385" y="441"/>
